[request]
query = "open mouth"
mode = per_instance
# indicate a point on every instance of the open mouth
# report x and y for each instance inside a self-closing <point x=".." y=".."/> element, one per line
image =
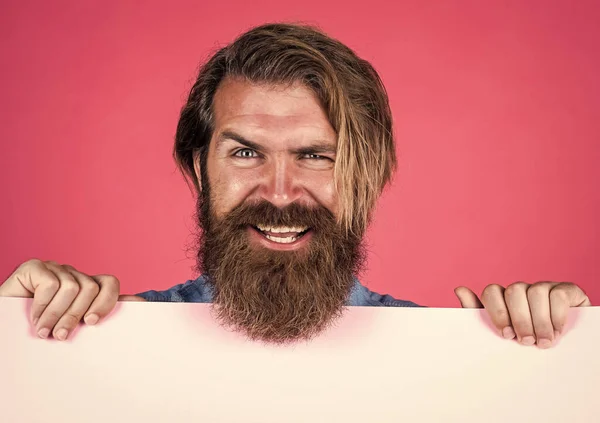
<point x="282" y="234"/>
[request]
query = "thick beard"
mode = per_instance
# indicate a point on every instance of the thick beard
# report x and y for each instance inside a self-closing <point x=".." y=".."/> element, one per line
<point x="277" y="296"/>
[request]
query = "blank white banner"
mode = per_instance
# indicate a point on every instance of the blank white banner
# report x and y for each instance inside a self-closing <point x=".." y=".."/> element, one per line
<point x="165" y="362"/>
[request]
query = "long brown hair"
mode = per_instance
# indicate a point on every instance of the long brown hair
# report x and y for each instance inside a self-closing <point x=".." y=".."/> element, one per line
<point x="347" y="86"/>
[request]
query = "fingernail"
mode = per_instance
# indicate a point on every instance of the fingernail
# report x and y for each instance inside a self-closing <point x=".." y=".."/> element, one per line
<point x="35" y="321"/>
<point x="91" y="319"/>
<point x="508" y="333"/>
<point x="61" y="334"/>
<point x="544" y="343"/>
<point x="528" y="340"/>
<point x="43" y="333"/>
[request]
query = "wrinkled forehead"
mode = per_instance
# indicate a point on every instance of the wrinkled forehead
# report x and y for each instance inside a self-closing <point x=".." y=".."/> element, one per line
<point x="275" y="112"/>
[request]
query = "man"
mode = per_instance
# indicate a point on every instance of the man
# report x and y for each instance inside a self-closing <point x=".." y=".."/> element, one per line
<point x="287" y="138"/>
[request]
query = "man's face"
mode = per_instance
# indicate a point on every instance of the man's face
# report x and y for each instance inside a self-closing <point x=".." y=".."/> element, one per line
<point x="289" y="155"/>
<point x="280" y="264"/>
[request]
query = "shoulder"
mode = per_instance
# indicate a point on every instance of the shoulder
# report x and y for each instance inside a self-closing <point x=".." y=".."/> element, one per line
<point x="362" y="296"/>
<point x="192" y="291"/>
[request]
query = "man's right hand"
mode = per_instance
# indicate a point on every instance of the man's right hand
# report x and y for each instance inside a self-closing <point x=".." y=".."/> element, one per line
<point x="62" y="296"/>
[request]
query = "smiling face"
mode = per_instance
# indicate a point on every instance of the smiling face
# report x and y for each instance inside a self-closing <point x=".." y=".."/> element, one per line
<point x="280" y="263"/>
<point x="274" y="144"/>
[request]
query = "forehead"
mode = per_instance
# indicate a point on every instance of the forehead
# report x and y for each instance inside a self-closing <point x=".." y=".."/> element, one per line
<point x="269" y="108"/>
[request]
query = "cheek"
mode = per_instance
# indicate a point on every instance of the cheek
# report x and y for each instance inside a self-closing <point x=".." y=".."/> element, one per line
<point x="323" y="190"/>
<point x="228" y="191"/>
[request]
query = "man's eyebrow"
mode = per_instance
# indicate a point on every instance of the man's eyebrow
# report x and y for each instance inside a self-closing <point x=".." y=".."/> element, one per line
<point x="238" y="138"/>
<point x="319" y="147"/>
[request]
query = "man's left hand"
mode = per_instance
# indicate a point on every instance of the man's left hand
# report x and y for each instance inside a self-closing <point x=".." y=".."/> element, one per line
<point x="534" y="313"/>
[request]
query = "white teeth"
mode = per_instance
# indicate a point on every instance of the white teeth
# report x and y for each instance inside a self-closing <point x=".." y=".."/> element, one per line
<point x="281" y="229"/>
<point x="281" y="240"/>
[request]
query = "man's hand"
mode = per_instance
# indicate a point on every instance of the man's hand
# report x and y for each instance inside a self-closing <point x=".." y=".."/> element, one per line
<point x="62" y="296"/>
<point x="533" y="312"/>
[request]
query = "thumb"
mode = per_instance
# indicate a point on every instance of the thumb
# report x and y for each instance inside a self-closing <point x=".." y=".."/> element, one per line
<point x="19" y="283"/>
<point x="467" y="298"/>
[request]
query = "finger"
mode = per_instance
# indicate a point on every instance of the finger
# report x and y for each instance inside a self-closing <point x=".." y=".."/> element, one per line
<point x="13" y="286"/>
<point x="492" y="298"/>
<point x="62" y="300"/>
<point x="44" y="285"/>
<point x="131" y="298"/>
<point x="467" y="298"/>
<point x="106" y="299"/>
<point x="88" y="291"/>
<point x="563" y="296"/>
<point x="538" y="296"/>
<point x="515" y="297"/>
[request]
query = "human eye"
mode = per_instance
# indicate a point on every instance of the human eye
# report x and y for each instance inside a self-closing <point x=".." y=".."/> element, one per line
<point x="246" y="153"/>
<point x="316" y="157"/>
<point x="317" y="161"/>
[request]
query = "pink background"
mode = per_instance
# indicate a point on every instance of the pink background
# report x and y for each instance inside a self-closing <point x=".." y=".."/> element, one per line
<point x="497" y="108"/>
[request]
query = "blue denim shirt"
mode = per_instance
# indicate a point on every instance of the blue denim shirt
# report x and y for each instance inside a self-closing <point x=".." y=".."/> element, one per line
<point x="199" y="291"/>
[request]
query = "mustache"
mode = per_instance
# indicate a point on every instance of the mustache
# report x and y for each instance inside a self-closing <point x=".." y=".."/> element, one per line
<point x="294" y="214"/>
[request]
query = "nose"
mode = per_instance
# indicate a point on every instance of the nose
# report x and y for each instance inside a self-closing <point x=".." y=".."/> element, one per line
<point x="281" y="184"/>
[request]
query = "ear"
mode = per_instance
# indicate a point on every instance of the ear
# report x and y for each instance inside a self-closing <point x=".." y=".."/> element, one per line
<point x="197" y="168"/>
